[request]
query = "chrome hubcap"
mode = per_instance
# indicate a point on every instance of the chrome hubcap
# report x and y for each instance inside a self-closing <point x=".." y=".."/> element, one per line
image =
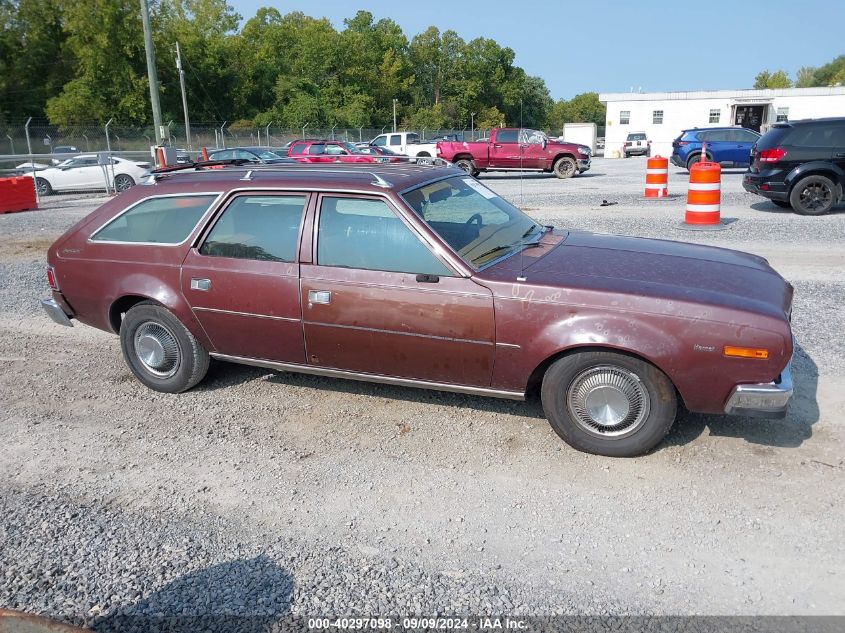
<point x="815" y="196"/>
<point x="156" y="348"/>
<point x="608" y="401"/>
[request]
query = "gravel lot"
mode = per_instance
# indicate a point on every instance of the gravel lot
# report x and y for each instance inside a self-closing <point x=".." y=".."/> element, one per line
<point x="262" y="493"/>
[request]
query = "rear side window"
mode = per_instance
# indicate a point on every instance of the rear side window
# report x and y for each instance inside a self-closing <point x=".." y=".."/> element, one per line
<point x="317" y="148"/>
<point x="264" y="228"/>
<point x="812" y="136"/>
<point x="395" y="139"/>
<point x="163" y="220"/>
<point x="507" y="136"/>
<point x="298" y="148"/>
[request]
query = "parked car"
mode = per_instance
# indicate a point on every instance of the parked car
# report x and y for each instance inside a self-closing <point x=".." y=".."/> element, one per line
<point x="85" y="172"/>
<point x="386" y="153"/>
<point x="800" y="164"/>
<point x="421" y="276"/>
<point x="519" y="150"/>
<point x="328" y="151"/>
<point x="637" y="144"/>
<point x="407" y="143"/>
<point x="728" y="146"/>
<point x="252" y="154"/>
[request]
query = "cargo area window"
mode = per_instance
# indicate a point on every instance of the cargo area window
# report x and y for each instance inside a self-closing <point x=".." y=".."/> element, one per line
<point x="624" y="117"/>
<point x="161" y="220"/>
<point x="264" y="228"/>
<point x="367" y="234"/>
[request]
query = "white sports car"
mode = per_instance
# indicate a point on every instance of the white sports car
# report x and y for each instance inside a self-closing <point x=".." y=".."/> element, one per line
<point x="85" y="172"/>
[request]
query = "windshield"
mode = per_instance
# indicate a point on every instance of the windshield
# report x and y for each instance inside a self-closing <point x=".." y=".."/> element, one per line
<point x="479" y="225"/>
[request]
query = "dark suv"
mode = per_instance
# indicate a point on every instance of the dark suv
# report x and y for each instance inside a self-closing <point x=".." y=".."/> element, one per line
<point x="800" y="165"/>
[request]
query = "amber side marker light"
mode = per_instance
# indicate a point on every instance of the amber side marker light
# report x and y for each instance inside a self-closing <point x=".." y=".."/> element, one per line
<point x="746" y="352"/>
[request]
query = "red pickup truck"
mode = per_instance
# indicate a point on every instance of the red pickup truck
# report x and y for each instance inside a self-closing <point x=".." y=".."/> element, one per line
<point x="517" y="149"/>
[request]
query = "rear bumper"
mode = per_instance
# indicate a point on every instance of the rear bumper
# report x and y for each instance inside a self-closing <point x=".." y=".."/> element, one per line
<point x="773" y="190"/>
<point x="55" y="312"/>
<point x="762" y="400"/>
<point x="676" y="160"/>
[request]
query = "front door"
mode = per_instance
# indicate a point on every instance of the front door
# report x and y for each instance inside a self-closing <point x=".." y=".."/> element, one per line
<point x="376" y="300"/>
<point x="242" y="282"/>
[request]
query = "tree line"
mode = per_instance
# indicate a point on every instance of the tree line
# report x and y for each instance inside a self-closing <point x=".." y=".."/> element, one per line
<point x="830" y="74"/>
<point x="83" y="61"/>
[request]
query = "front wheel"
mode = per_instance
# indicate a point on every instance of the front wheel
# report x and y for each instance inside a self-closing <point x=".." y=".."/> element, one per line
<point x="608" y="403"/>
<point x="813" y="195"/>
<point x="565" y="167"/>
<point x="122" y="182"/>
<point x="44" y="188"/>
<point x="160" y="351"/>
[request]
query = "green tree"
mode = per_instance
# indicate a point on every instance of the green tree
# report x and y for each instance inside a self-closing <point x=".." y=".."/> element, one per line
<point x="831" y="74"/>
<point x="777" y="79"/>
<point x="584" y="107"/>
<point x="805" y="77"/>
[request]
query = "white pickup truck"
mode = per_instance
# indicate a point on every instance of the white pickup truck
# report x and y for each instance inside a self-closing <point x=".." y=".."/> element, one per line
<point x="407" y="143"/>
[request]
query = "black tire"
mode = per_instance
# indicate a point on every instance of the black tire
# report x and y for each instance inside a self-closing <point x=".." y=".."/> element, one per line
<point x="627" y="155"/>
<point x="695" y="158"/>
<point x="44" y="187"/>
<point x="565" y="167"/>
<point x="122" y="182"/>
<point x="813" y="195"/>
<point x="468" y="166"/>
<point x="783" y="204"/>
<point x="634" y="395"/>
<point x="160" y="351"/>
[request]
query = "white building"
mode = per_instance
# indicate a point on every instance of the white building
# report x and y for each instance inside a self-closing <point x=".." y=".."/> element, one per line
<point x="662" y="115"/>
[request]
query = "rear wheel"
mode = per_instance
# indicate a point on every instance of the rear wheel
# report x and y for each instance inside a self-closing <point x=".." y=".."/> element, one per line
<point x="565" y="167"/>
<point x="44" y="188"/>
<point x="813" y="195"/>
<point x="697" y="158"/>
<point x="608" y="403"/>
<point x="160" y="351"/>
<point x="468" y="166"/>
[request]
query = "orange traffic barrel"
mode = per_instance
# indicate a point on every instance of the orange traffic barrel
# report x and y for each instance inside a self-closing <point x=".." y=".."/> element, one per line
<point x="204" y="154"/>
<point x="657" y="177"/>
<point x="704" y="197"/>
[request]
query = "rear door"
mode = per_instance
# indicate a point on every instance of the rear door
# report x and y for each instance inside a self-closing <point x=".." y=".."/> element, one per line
<point x="242" y="280"/>
<point x="839" y="142"/>
<point x="504" y="148"/>
<point x="377" y="300"/>
<point x="744" y="142"/>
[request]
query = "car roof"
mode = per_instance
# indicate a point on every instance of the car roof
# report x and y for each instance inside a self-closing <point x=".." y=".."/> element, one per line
<point x="367" y="177"/>
<point x="830" y="119"/>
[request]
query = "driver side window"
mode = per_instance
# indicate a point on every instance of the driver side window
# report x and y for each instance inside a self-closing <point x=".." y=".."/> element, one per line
<point x="367" y="234"/>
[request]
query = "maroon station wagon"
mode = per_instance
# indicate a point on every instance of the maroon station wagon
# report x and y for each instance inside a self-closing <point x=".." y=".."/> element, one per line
<point x="421" y="276"/>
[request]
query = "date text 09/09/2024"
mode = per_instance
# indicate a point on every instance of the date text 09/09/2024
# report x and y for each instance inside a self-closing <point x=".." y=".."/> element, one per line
<point x="418" y="623"/>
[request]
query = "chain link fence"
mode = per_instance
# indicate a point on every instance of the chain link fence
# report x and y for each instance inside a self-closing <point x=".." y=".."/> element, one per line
<point x="51" y="139"/>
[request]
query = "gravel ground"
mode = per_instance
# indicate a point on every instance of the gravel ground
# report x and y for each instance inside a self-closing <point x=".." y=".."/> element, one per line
<point x="263" y="493"/>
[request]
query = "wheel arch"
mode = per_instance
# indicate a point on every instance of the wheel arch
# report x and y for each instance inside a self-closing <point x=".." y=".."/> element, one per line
<point x="816" y="168"/>
<point x="560" y="155"/>
<point x="122" y="305"/>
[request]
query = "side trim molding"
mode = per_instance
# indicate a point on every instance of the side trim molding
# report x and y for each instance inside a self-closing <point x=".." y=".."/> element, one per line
<point x="378" y="378"/>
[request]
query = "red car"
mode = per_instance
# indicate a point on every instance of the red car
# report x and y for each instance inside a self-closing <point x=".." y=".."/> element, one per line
<point x="515" y="149"/>
<point x="421" y="276"/>
<point x="321" y="151"/>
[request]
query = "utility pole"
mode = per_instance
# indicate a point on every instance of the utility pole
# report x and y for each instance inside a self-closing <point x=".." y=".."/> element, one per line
<point x="151" y="69"/>
<point x="184" y="96"/>
<point x="472" y="133"/>
<point x="394" y="114"/>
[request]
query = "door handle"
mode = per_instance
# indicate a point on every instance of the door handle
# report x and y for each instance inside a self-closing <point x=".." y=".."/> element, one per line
<point x="200" y="284"/>
<point x="428" y="279"/>
<point x="496" y="145"/>
<point x="319" y="296"/>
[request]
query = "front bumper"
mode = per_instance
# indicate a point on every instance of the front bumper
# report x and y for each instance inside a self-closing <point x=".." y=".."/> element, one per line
<point x="583" y="164"/>
<point x="762" y="400"/>
<point x="55" y="312"/>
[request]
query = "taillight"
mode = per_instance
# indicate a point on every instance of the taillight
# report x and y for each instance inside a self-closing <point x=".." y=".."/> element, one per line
<point x="772" y="155"/>
<point x="681" y="143"/>
<point x="51" y="279"/>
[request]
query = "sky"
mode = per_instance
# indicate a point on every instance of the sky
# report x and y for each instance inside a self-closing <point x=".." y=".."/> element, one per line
<point x="616" y="45"/>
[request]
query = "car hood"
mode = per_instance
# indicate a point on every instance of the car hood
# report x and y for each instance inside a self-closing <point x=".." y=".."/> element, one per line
<point x="658" y="268"/>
